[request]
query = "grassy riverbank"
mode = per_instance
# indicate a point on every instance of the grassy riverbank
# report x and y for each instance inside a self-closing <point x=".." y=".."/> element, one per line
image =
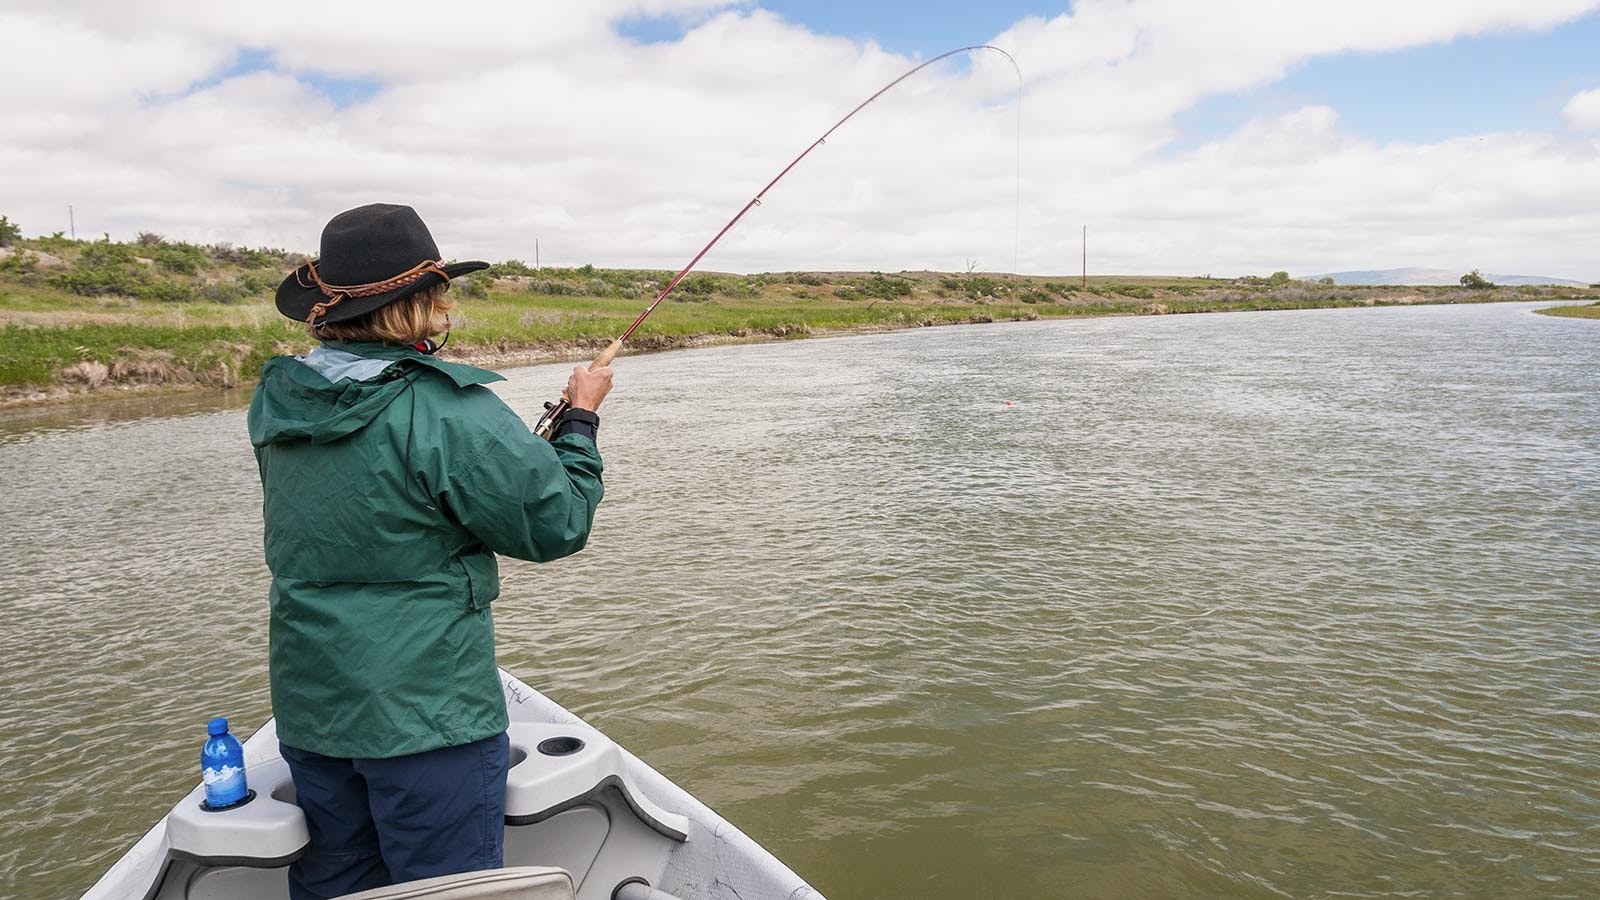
<point x="81" y="316"/>
<point x="1592" y="311"/>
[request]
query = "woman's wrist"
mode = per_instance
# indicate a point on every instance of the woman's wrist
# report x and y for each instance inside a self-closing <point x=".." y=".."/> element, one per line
<point x="577" y="420"/>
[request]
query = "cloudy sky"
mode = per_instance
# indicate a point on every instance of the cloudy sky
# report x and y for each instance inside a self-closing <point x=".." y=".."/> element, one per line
<point x="1222" y="137"/>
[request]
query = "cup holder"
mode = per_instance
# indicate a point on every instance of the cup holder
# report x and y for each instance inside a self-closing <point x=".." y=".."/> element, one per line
<point x="560" y="746"/>
<point x="248" y="796"/>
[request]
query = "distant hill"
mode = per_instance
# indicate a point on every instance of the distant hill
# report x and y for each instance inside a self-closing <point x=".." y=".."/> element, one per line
<point x="1435" y="277"/>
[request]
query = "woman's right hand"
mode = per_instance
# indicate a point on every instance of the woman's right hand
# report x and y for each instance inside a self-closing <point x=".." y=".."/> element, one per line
<point x="588" y="387"/>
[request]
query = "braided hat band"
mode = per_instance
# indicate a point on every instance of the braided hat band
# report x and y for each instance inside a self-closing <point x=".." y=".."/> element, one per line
<point x="338" y="292"/>
<point x="360" y="251"/>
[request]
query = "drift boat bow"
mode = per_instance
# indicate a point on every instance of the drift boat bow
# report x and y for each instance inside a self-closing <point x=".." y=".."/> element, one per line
<point x="597" y="822"/>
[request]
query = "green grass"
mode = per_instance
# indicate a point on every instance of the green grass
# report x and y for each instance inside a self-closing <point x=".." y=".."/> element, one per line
<point x="144" y="352"/>
<point x="1592" y="311"/>
<point x="503" y="318"/>
<point x="176" y="313"/>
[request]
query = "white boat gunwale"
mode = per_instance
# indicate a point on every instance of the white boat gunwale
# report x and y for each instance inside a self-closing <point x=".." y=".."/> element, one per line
<point x="701" y="854"/>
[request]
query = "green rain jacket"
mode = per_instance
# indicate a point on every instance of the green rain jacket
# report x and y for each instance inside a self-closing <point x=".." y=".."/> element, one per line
<point x="386" y="500"/>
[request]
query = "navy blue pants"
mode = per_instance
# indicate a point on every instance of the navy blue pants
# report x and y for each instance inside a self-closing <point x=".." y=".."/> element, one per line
<point x="375" y="822"/>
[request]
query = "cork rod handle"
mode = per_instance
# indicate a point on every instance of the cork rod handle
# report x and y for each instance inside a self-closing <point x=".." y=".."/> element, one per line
<point x="607" y="355"/>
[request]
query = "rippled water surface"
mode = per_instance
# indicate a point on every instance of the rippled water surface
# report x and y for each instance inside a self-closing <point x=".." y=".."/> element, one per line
<point x="1300" y="604"/>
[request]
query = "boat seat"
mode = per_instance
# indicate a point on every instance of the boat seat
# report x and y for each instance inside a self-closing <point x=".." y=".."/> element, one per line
<point x="519" y="883"/>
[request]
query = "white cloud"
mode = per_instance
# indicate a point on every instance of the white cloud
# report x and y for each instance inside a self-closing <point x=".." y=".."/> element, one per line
<point x="1583" y="111"/>
<point x="506" y="122"/>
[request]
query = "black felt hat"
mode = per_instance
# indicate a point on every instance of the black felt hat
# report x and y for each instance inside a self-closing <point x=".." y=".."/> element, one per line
<point x="371" y="256"/>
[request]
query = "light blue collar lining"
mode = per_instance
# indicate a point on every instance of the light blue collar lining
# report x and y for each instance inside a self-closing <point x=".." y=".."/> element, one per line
<point x="337" y="365"/>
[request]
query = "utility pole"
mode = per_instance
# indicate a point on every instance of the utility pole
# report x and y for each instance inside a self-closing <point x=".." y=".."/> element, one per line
<point x="1086" y="257"/>
<point x="536" y="254"/>
<point x="71" y="222"/>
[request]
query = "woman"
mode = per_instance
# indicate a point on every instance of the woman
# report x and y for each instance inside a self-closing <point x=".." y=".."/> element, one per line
<point x="390" y="480"/>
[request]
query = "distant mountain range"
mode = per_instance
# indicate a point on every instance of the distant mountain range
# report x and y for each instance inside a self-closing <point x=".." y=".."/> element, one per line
<point x="1434" y="276"/>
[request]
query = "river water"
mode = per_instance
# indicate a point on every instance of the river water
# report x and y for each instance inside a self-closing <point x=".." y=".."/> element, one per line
<point x="1291" y="604"/>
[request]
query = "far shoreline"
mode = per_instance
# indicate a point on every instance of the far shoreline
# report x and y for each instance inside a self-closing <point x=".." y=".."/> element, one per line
<point x="495" y="359"/>
<point x="83" y="320"/>
<point x="21" y="400"/>
<point x="1572" y="311"/>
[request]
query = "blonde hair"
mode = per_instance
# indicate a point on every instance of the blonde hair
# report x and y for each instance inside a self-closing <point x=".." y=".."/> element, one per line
<point x="406" y="321"/>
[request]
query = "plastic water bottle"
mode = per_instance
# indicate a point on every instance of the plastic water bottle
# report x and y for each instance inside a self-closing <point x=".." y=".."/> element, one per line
<point x="222" y="767"/>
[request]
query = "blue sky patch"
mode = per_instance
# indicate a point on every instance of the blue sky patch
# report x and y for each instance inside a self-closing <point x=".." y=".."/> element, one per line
<point x="921" y="29"/>
<point x="342" y="92"/>
<point x="652" y="29"/>
<point x="249" y="60"/>
<point x="925" y="29"/>
<point x="1502" y="82"/>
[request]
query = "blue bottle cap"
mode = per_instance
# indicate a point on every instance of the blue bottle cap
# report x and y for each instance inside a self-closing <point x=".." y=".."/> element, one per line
<point x="217" y="726"/>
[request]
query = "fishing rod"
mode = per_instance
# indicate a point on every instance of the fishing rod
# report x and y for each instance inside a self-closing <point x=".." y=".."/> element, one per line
<point x="555" y="410"/>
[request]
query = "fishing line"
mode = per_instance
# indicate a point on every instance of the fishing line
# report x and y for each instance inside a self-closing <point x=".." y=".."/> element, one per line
<point x="553" y="411"/>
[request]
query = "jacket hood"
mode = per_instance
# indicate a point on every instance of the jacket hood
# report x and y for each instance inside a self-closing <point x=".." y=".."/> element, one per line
<point x="295" y="402"/>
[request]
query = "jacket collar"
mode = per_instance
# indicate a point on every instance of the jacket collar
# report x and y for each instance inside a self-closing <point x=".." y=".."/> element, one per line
<point x="463" y="375"/>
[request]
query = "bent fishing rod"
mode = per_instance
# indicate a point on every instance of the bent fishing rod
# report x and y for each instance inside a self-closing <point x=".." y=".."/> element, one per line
<point x="555" y="410"/>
